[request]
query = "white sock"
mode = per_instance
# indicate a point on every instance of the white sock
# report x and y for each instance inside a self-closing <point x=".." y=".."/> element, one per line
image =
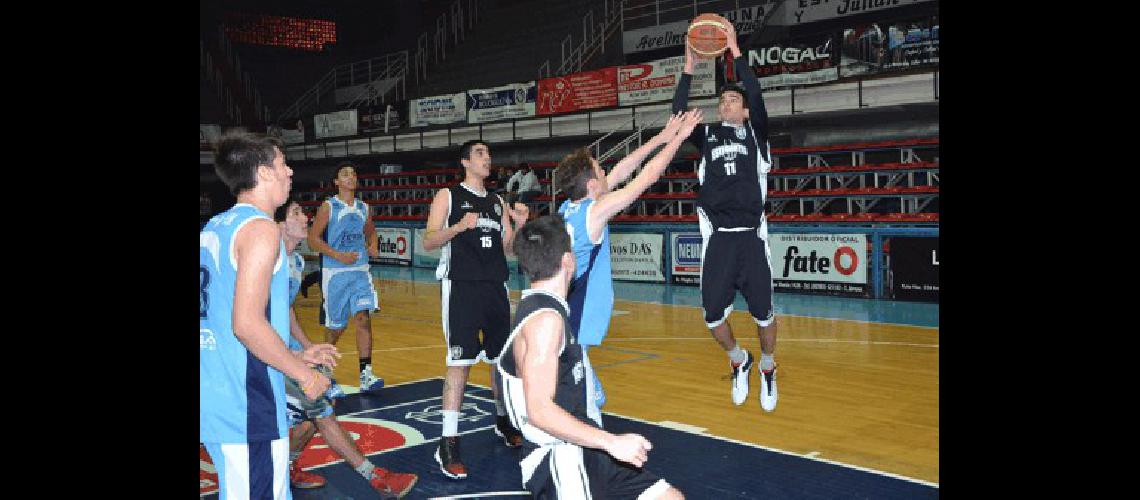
<point x="365" y="469"/>
<point x="736" y="355"/>
<point x="450" y="422"/>
<point x="500" y="408"/>
<point x="767" y="361"/>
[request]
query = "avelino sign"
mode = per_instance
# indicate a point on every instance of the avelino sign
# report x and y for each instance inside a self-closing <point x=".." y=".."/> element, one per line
<point x="673" y="34"/>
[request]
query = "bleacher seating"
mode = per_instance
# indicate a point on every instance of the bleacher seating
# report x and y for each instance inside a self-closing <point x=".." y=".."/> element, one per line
<point x="860" y="193"/>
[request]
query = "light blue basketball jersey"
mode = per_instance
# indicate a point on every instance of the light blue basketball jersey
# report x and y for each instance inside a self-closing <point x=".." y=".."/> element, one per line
<point x="591" y="296"/>
<point x="241" y="399"/>
<point x="345" y="232"/>
<point x="296" y="274"/>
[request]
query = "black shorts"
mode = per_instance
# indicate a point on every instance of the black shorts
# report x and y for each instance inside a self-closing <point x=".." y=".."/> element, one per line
<point x="734" y="261"/>
<point x="468" y="308"/>
<point x="562" y="475"/>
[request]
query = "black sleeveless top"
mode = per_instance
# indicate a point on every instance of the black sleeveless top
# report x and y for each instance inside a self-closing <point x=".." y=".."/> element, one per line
<point x="570" y="388"/>
<point x="476" y="254"/>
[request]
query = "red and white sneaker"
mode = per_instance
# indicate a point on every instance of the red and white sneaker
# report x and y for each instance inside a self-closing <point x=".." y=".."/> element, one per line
<point x="392" y="484"/>
<point x="304" y="480"/>
<point x="447" y="456"/>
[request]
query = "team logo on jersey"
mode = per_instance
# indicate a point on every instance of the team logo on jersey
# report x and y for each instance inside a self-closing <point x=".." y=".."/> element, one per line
<point x="712" y="138"/>
<point x="206" y="340"/>
<point x="465" y="206"/>
<point x="579" y="371"/>
<point x="498" y="210"/>
<point x="456" y="352"/>
<point x="741" y="133"/>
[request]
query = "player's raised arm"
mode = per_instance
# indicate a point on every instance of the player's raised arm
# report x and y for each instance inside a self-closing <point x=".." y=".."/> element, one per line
<point x="758" y="113"/>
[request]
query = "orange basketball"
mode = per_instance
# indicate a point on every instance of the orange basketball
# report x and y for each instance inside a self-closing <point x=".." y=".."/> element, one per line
<point x="707" y="34"/>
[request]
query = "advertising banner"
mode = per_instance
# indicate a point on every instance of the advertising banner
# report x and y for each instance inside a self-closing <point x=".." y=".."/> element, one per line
<point x="874" y="48"/>
<point x="394" y="245"/>
<point x="799" y="12"/>
<point x="501" y="103"/>
<point x="586" y="90"/>
<point x="657" y="80"/>
<point x="914" y="269"/>
<point x="686" y="257"/>
<point x="338" y="124"/>
<point x="437" y="110"/>
<point x="804" y="62"/>
<point x="637" y="257"/>
<point x="833" y="264"/>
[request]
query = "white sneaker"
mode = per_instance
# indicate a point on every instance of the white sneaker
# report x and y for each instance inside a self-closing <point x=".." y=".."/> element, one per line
<point x="740" y="379"/>
<point x="370" y="382"/>
<point x="768" y="393"/>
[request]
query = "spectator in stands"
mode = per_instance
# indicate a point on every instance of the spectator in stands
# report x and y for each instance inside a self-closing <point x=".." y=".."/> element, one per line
<point x="525" y="183"/>
<point x="494" y="181"/>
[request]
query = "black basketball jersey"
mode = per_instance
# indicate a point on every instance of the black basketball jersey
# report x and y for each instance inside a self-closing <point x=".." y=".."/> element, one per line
<point x="570" y="388"/>
<point x="733" y="174"/>
<point x="476" y="254"/>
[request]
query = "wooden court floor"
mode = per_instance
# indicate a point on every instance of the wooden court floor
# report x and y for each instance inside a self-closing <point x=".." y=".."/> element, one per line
<point x="859" y="393"/>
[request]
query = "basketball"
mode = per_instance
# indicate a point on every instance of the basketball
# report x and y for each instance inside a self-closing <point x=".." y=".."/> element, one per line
<point x="707" y="35"/>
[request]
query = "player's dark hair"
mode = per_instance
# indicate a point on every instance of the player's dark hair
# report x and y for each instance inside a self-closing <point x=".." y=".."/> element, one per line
<point x="573" y="172"/>
<point x="341" y="166"/>
<point x="734" y="87"/>
<point x="465" y="148"/>
<point x="540" y="245"/>
<point x="238" y="155"/>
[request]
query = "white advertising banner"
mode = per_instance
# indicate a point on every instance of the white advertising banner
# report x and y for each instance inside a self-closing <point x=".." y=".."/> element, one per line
<point x="657" y="80"/>
<point x="637" y="257"/>
<point x="686" y="256"/>
<point x="437" y="110"/>
<point x="673" y="34"/>
<point x="339" y="124"/>
<point x="293" y="136"/>
<point x="798" y="12"/>
<point x="516" y="100"/>
<point x="421" y="256"/>
<point x="827" y="263"/>
<point x="394" y="245"/>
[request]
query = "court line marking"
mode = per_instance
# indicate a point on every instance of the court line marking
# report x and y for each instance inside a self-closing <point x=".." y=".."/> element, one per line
<point x="488" y="494"/>
<point x="782" y="339"/>
<point x="616" y="300"/>
<point x="754" y="445"/>
<point x="808" y="456"/>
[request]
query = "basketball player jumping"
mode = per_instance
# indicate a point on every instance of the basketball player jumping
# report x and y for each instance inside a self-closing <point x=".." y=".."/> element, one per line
<point x="733" y="170"/>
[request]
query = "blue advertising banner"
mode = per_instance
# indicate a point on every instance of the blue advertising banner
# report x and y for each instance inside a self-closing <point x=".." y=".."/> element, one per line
<point x="501" y="103"/>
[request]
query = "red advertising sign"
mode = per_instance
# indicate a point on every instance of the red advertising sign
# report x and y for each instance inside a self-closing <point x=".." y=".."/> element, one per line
<point x="586" y="90"/>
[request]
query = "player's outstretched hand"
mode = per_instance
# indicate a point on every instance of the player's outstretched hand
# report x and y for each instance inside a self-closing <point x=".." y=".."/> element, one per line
<point x="629" y="448"/>
<point x="731" y="32"/>
<point x="519" y="213"/>
<point x="670" y="129"/>
<point x="690" y="120"/>
<point x="320" y="354"/>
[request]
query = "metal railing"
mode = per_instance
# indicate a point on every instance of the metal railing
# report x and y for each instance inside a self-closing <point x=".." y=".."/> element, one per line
<point x="452" y="25"/>
<point x="594" y="37"/>
<point x="243" y="81"/>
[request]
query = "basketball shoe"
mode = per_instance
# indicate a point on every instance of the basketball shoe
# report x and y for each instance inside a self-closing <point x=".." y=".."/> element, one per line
<point x="511" y="436"/>
<point x="740" y="379"/>
<point x="447" y="456"/>
<point x="370" y="382"/>
<point x="768" y="393"/>
<point x="303" y="480"/>
<point x="392" y="484"/>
